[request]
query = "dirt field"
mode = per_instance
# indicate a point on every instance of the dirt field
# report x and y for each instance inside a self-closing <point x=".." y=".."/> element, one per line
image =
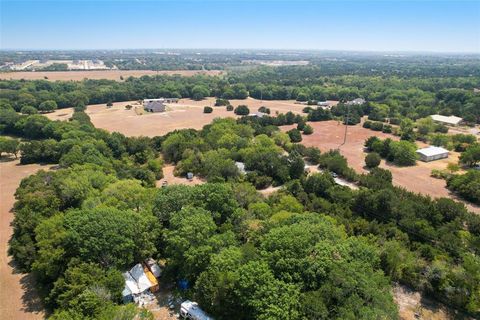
<point x="329" y="135"/>
<point x="411" y="303"/>
<point x="18" y="299"/>
<point x="98" y="74"/>
<point x="171" y="179"/>
<point x="186" y="113"/>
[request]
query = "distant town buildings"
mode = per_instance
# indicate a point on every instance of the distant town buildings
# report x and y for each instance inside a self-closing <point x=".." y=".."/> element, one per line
<point x="356" y="102"/>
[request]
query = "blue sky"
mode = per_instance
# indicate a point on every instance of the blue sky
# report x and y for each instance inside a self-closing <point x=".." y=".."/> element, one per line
<point x="439" y="26"/>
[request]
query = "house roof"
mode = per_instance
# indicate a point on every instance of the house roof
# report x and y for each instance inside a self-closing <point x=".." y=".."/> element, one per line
<point x="445" y="119"/>
<point x="140" y="277"/>
<point x="432" y="151"/>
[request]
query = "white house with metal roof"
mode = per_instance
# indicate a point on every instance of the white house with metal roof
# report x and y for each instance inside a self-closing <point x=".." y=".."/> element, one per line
<point x="451" y="120"/>
<point x="432" y="153"/>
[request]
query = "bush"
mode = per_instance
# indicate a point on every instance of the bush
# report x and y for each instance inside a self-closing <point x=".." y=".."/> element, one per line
<point x="394" y="121"/>
<point x="367" y="124"/>
<point x="128" y="107"/>
<point x="229" y="107"/>
<point x="387" y="128"/>
<point x="264" y="110"/>
<point x="307" y="129"/>
<point x="466" y="185"/>
<point x="47" y="106"/>
<point x="207" y="109"/>
<point x="259" y="181"/>
<point x="376" y="126"/>
<point x="242" y="110"/>
<point x="221" y="102"/>
<point x="403" y="153"/>
<point x="439" y="174"/>
<point x="109" y="104"/>
<point x="307" y="109"/>
<point x="28" y="110"/>
<point x="372" y="160"/>
<point x="295" y="135"/>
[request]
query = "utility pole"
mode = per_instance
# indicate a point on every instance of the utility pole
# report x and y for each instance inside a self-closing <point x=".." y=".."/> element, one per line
<point x="346" y="127"/>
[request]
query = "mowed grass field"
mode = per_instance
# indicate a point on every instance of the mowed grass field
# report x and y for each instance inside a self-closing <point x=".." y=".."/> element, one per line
<point x="329" y="135"/>
<point x="185" y="114"/>
<point x="98" y="74"/>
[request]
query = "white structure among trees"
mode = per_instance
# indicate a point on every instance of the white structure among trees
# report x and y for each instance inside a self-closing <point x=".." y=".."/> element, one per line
<point x="451" y="120"/>
<point x="432" y="153"/>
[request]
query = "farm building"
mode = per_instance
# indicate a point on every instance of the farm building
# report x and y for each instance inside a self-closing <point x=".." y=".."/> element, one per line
<point x="154" y="105"/>
<point x="432" y="153"/>
<point x="451" y="120"/>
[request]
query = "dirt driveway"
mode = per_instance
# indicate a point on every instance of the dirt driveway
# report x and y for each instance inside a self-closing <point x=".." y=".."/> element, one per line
<point x="18" y="299"/>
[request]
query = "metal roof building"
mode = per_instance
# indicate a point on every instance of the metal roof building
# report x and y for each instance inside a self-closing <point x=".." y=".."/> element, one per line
<point x="432" y="153"/>
<point x="451" y="120"/>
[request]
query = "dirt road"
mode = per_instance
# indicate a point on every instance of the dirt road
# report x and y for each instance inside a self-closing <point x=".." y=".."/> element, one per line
<point x="18" y="299"/>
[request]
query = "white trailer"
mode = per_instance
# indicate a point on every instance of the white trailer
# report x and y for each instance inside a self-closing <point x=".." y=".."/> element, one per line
<point x="191" y="310"/>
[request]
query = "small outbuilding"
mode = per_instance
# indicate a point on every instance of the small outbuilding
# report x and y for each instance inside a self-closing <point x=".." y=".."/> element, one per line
<point x="451" y="120"/>
<point x="432" y="153"/>
<point x="154" y="105"/>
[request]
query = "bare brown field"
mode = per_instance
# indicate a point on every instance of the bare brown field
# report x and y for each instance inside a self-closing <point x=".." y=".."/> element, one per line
<point x="99" y="74"/>
<point x="329" y="135"/>
<point x="185" y="114"/>
<point x="18" y="299"/>
<point x="171" y="179"/>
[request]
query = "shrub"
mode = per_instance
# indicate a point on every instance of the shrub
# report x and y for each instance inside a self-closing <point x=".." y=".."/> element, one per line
<point x="367" y="124"/>
<point x="207" y="109"/>
<point x="307" y="129"/>
<point x="47" y="106"/>
<point x="376" y="126"/>
<point x="372" y="160"/>
<point x="221" y="102"/>
<point x="109" y="104"/>
<point x="370" y="141"/>
<point x="307" y="109"/>
<point x="403" y="153"/>
<point x="295" y="135"/>
<point x="439" y="174"/>
<point x="387" y="128"/>
<point x="28" y="110"/>
<point x="128" y="107"/>
<point x="242" y="110"/>
<point x="264" y="110"/>
<point x="259" y="181"/>
<point x="394" y="121"/>
<point x="466" y="185"/>
<point x="229" y="107"/>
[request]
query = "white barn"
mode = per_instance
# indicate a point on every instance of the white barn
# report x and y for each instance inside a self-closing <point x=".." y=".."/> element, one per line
<point x="451" y="120"/>
<point x="432" y="153"/>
